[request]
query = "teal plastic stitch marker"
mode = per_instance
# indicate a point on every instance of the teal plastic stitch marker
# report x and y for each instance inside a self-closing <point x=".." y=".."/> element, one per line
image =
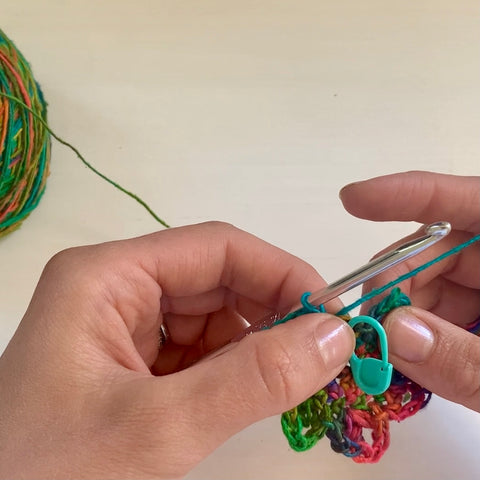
<point x="372" y="375"/>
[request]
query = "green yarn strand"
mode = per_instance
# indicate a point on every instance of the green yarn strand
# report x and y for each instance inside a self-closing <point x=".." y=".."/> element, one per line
<point x="25" y="142"/>
<point x="86" y="163"/>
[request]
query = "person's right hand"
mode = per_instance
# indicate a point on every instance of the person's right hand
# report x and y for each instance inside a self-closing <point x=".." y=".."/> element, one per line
<point x="427" y="342"/>
<point x="87" y="393"/>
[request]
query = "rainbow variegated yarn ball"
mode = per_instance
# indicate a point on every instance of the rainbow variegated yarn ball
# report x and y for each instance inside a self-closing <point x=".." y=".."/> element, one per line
<point x="24" y="141"/>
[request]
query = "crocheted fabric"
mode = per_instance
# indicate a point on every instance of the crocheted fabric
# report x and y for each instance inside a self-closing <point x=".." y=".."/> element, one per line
<point x="345" y="414"/>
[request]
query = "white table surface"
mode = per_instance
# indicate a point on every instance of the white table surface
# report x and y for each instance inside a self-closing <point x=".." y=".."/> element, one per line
<point x="256" y="113"/>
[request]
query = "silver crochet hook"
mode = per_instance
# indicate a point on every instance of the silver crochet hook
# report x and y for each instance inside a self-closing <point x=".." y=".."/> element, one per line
<point x="433" y="233"/>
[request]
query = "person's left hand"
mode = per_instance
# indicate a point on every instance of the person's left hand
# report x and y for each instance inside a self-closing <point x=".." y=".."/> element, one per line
<point x="85" y="390"/>
<point x="428" y="342"/>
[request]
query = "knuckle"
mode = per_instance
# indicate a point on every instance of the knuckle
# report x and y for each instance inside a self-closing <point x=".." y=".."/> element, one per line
<point x="220" y="226"/>
<point x="63" y="256"/>
<point x="463" y="373"/>
<point x="76" y="266"/>
<point x="61" y="263"/>
<point x="276" y="371"/>
<point x="470" y="384"/>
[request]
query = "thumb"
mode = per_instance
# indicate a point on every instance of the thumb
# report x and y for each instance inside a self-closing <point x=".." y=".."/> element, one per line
<point x="264" y="374"/>
<point x="436" y="354"/>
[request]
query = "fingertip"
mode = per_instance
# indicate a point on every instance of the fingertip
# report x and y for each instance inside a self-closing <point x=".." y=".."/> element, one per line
<point x="411" y="338"/>
<point x="346" y="190"/>
<point x="436" y="354"/>
<point x="355" y="196"/>
<point x="374" y="197"/>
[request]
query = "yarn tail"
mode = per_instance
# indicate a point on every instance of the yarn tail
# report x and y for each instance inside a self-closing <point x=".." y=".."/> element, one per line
<point x="85" y="162"/>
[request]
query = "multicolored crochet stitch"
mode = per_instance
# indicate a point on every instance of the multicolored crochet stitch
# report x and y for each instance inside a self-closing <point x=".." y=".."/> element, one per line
<point x="344" y="413"/>
<point x="24" y="143"/>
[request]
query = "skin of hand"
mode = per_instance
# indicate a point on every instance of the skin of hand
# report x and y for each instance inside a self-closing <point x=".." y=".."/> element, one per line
<point x="427" y="342"/>
<point x="87" y="393"/>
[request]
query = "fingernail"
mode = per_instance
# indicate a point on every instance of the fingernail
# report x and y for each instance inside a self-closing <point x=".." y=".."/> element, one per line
<point x="335" y="340"/>
<point x="408" y="337"/>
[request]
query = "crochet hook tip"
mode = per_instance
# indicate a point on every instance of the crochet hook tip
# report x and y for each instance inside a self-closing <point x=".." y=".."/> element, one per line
<point x="438" y="229"/>
<point x="432" y="234"/>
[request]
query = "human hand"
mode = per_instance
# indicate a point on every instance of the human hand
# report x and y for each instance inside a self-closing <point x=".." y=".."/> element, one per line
<point x="427" y="342"/>
<point x="85" y="391"/>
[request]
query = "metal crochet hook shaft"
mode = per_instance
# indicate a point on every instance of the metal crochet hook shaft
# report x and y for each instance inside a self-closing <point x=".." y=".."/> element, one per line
<point x="433" y="233"/>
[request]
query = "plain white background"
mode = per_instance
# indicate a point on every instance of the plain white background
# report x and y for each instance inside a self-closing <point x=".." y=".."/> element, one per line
<point x="256" y="113"/>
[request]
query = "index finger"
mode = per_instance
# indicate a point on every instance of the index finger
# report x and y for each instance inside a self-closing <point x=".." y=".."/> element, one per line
<point x="448" y="288"/>
<point x="189" y="261"/>
<point x="419" y="196"/>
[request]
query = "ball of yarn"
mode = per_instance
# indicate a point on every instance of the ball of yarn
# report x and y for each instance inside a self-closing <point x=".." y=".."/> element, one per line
<point x="24" y="141"/>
